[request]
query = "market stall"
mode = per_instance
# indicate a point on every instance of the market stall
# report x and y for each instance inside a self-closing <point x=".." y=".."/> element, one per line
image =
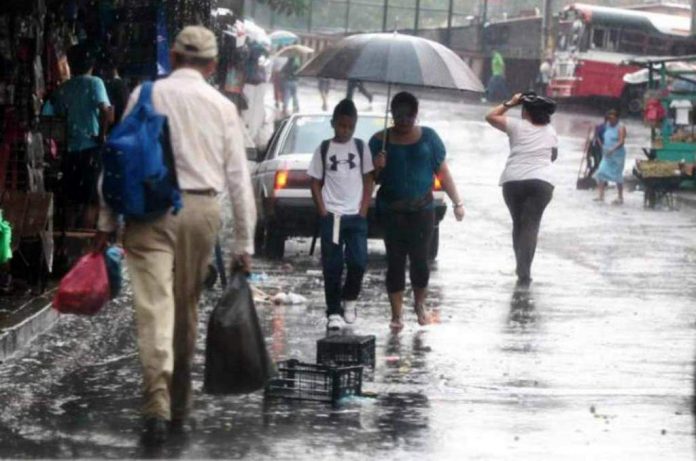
<point x="670" y="103"/>
<point x="35" y="38"/>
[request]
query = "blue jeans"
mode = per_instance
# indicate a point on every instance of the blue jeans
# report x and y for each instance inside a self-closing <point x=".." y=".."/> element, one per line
<point x="351" y="252"/>
<point x="290" y="92"/>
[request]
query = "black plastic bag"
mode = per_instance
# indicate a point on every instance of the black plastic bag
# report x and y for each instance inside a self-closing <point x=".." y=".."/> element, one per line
<point x="236" y="359"/>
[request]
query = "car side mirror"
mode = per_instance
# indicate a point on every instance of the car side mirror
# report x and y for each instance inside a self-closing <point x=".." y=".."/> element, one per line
<point x="252" y="154"/>
<point x="261" y="154"/>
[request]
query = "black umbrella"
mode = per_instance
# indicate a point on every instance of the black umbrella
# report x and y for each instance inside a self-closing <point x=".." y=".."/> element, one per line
<point x="393" y="59"/>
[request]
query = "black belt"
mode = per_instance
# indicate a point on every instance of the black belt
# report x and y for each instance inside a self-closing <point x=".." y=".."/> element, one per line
<point x="205" y="192"/>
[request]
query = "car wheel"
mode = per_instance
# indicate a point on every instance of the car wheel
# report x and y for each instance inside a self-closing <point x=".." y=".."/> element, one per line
<point x="275" y="244"/>
<point x="259" y="238"/>
<point x="434" y="244"/>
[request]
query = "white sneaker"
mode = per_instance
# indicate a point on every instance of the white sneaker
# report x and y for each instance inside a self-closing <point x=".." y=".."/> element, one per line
<point x="335" y="322"/>
<point x="350" y="311"/>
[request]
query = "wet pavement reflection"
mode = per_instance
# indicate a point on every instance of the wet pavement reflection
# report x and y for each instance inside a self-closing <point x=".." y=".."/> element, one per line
<point x="594" y="361"/>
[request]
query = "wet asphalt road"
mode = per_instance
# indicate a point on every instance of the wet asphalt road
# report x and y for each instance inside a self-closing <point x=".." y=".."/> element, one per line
<point x="595" y="362"/>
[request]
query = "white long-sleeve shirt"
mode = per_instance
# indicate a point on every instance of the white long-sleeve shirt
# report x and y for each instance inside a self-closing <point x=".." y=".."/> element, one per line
<point x="208" y="145"/>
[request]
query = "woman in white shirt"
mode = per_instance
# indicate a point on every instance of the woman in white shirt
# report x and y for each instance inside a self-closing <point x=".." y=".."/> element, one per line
<point x="526" y="179"/>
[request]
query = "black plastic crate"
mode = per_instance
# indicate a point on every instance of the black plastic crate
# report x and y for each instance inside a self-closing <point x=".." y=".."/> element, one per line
<point x="346" y="350"/>
<point x="307" y="381"/>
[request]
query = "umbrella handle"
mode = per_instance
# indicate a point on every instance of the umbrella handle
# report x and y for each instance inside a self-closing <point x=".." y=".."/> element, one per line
<point x="386" y="121"/>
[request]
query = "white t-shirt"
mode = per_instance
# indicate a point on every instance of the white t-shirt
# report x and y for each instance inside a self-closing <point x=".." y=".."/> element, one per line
<point x="530" y="151"/>
<point x="683" y="107"/>
<point x="343" y="181"/>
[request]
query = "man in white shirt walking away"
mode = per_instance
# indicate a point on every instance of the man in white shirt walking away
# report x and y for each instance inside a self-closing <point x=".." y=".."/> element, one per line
<point x="168" y="257"/>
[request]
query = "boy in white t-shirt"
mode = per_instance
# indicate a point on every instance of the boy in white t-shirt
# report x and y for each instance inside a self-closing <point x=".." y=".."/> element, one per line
<point x="341" y="172"/>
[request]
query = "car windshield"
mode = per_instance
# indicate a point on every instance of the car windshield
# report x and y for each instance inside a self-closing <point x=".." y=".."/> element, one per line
<point x="309" y="131"/>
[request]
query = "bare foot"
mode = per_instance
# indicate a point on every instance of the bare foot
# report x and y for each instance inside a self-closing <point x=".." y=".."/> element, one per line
<point x="396" y="325"/>
<point x="424" y="317"/>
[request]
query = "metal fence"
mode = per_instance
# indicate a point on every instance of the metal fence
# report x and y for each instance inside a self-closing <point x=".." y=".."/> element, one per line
<point x="344" y="16"/>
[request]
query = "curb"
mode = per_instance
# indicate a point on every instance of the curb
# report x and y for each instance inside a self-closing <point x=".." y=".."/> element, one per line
<point x="32" y="319"/>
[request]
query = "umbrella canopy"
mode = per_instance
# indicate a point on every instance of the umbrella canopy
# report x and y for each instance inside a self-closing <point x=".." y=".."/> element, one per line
<point x="393" y="58"/>
<point x="256" y="33"/>
<point x="295" y="50"/>
<point x="283" y="38"/>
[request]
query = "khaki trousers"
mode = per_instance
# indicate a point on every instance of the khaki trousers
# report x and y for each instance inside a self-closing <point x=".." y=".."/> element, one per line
<point x="168" y="261"/>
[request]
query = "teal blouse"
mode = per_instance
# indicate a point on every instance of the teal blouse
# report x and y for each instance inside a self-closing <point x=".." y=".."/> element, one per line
<point x="410" y="168"/>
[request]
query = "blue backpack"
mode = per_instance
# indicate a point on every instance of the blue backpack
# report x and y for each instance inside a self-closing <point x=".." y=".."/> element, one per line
<point x="139" y="174"/>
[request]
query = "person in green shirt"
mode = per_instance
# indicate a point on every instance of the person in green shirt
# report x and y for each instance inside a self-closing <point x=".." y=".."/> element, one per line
<point x="498" y="64"/>
<point x="497" y="89"/>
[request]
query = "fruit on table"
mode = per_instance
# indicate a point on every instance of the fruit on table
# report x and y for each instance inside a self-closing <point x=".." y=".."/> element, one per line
<point x="658" y="169"/>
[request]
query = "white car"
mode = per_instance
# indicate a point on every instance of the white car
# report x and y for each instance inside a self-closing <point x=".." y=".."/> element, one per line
<point x="282" y="186"/>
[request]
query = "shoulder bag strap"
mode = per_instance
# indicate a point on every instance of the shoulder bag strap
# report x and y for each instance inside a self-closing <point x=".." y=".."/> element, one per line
<point x="324" y="149"/>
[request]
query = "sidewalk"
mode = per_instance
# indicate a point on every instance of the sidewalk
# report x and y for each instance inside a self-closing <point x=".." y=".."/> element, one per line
<point x="22" y="318"/>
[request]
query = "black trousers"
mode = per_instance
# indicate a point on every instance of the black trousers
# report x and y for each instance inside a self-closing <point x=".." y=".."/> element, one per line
<point x="357" y="85"/>
<point x="81" y="172"/>
<point x="526" y="201"/>
<point x="407" y="235"/>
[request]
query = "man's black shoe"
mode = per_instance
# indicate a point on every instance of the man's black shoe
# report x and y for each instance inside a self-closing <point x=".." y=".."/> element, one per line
<point x="155" y="432"/>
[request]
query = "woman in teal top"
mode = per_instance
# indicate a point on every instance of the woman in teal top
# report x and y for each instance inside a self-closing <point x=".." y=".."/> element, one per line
<point x="613" y="157"/>
<point x="405" y="167"/>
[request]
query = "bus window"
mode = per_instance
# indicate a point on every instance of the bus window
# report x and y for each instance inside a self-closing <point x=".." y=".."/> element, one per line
<point x="576" y="34"/>
<point x="572" y="36"/>
<point x="598" y="37"/>
<point x="564" y="31"/>
<point x="657" y="46"/>
<point x="613" y="40"/>
<point x="682" y="48"/>
<point x="632" y="42"/>
<point x="604" y="39"/>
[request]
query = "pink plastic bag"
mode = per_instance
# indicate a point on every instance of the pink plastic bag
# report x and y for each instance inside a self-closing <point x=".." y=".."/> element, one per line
<point x="85" y="289"/>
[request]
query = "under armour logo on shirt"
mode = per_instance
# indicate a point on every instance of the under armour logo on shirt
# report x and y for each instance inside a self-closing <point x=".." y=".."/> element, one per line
<point x="335" y="162"/>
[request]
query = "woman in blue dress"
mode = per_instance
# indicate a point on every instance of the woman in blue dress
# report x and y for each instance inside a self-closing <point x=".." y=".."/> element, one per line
<point x="613" y="157"/>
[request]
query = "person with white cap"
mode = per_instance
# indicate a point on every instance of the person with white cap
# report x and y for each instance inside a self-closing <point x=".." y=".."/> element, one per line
<point x="168" y="257"/>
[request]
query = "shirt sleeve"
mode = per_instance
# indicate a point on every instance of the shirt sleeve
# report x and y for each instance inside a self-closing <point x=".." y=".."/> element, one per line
<point x="375" y="146"/>
<point x="100" y="94"/>
<point x="315" y="169"/>
<point x="512" y="125"/>
<point x="367" y="163"/>
<point x="54" y="104"/>
<point x="47" y="109"/>
<point x="239" y="183"/>
<point x="437" y="147"/>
